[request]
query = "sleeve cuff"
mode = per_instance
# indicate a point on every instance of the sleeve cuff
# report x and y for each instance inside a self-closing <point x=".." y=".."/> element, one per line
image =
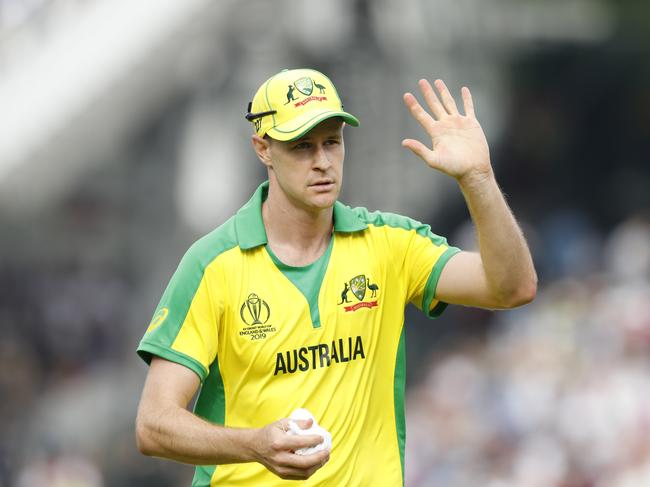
<point x="432" y="284"/>
<point x="147" y="349"/>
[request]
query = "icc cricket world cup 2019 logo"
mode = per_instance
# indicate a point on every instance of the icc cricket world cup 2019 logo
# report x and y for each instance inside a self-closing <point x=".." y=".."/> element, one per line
<point x="254" y="311"/>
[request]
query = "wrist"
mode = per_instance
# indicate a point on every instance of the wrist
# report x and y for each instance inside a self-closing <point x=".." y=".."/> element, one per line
<point x="476" y="178"/>
<point x="250" y="444"/>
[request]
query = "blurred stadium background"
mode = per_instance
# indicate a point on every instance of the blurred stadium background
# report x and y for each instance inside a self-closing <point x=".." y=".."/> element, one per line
<point x="123" y="140"/>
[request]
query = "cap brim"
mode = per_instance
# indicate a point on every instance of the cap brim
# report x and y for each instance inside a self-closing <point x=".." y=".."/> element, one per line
<point x="299" y="126"/>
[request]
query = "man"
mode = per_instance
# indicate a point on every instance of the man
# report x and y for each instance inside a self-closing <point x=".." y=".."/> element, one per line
<point x="270" y="312"/>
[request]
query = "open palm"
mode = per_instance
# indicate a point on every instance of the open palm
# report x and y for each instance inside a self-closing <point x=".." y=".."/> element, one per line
<point x="458" y="144"/>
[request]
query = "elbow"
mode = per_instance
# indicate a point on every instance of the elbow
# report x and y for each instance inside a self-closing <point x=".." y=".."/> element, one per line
<point x="143" y="438"/>
<point x="523" y="294"/>
<point x="526" y="295"/>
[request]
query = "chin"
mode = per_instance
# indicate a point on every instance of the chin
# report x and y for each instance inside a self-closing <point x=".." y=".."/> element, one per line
<point x="323" y="201"/>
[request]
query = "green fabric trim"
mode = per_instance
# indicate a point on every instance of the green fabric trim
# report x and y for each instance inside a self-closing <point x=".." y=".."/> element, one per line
<point x="147" y="349"/>
<point x="379" y="219"/>
<point x="346" y="219"/>
<point x="211" y="406"/>
<point x="211" y="403"/>
<point x="399" y="385"/>
<point x="249" y="224"/>
<point x="203" y="475"/>
<point x="307" y="279"/>
<point x="313" y="121"/>
<point x="432" y="283"/>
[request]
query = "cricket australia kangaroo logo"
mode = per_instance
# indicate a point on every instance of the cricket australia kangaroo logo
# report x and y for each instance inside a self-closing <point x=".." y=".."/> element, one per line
<point x="359" y="285"/>
<point x="305" y="86"/>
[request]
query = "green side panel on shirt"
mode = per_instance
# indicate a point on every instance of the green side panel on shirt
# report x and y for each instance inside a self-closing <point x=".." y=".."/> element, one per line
<point x="211" y="406"/>
<point x="399" y="387"/>
<point x="308" y="279"/>
<point x="203" y="475"/>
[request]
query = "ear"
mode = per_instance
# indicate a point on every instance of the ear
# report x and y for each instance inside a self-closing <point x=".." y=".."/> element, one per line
<point x="262" y="148"/>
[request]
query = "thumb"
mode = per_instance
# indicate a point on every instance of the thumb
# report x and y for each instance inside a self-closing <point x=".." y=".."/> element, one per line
<point x="420" y="150"/>
<point x="283" y="424"/>
<point x="304" y="424"/>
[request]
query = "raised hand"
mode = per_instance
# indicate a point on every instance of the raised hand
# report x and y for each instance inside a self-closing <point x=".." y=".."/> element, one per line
<point x="275" y="450"/>
<point x="458" y="145"/>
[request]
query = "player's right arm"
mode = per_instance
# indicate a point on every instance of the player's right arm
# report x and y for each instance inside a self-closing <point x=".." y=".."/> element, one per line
<point x="165" y="428"/>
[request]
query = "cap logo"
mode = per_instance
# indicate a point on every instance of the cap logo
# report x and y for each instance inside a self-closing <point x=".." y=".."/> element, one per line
<point x="292" y="102"/>
<point x="305" y="85"/>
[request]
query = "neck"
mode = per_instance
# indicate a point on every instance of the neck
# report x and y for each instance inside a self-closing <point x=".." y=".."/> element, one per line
<point x="298" y="236"/>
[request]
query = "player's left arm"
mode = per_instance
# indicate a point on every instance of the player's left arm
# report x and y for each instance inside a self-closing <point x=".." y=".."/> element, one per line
<point x="501" y="274"/>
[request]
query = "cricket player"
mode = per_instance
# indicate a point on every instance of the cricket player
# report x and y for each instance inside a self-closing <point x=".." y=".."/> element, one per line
<point x="297" y="301"/>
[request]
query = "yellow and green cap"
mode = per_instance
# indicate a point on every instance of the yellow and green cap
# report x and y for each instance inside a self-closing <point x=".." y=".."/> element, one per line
<point x="291" y="103"/>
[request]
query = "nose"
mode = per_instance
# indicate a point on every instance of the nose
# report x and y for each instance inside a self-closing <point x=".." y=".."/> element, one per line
<point x="321" y="160"/>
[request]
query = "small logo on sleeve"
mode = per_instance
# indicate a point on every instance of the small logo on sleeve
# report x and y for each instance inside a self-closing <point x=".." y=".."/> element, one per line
<point x="359" y="285"/>
<point x="158" y="319"/>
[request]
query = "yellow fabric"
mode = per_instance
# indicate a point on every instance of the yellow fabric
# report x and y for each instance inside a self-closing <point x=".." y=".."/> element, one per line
<point x="230" y="315"/>
<point x="420" y="251"/>
<point x="197" y="337"/>
<point x="353" y="399"/>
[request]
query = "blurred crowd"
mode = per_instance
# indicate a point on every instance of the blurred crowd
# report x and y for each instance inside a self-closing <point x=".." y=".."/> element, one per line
<point x="556" y="394"/>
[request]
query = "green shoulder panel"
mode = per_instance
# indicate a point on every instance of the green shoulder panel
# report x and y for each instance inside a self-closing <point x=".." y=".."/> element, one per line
<point x="177" y="298"/>
<point x="393" y="220"/>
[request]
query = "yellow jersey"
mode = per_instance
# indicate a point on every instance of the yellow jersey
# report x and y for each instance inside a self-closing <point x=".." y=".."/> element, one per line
<point x="266" y="338"/>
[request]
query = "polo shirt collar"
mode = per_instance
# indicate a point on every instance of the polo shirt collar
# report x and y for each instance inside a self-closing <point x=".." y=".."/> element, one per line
<point x="249" y="224"/>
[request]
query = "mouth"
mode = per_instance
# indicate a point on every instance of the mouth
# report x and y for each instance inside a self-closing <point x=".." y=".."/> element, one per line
<point x="323" y="185"/>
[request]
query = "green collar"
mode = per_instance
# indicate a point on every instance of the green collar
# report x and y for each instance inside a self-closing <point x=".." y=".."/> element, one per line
<point x="250" y="226"/>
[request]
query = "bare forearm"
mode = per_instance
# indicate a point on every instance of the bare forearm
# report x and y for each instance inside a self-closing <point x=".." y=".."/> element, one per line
<point x="502" y="275"/>
<point x="177" y="434"/>
<point x="506" y="259"/>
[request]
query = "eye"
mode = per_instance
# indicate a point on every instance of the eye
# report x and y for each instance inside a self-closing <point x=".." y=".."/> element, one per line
<point x="333" y="142"/>
<point x="302" y="146"/>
